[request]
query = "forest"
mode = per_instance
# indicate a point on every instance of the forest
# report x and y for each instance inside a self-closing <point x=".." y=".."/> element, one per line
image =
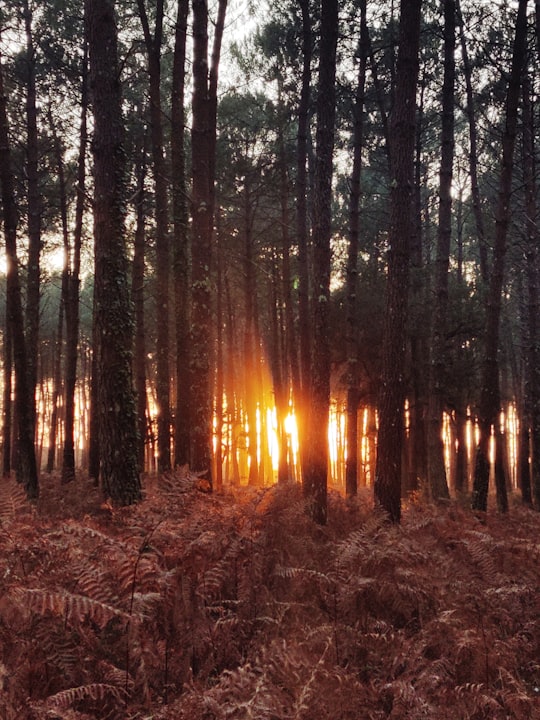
<point x="270" y="369"/>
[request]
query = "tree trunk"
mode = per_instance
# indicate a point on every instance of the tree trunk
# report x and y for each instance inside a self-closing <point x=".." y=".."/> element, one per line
<point x="532" y="354"/>
<point x="153" y="49"/>
<point x="316" y="467"/>
<point x="26" y="469"/>
<point x="351" y="471"/>
<point x="203" y="143"/>
<point x="181" y="239"/>
<point x="137" y="297"/>
<point x="402" y="136"/>
<point x="113" y="320"/>
<point x="34" y="217"/>
<point x="302" y="230"/>
<point x="7" y="406"/>
<point x="436" y="468"/>
<point x="490" y="401"/>
<point x="72" y="297"/>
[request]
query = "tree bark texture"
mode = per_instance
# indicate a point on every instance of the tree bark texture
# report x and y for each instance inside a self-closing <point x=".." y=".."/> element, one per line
<point x="402" y="136"/>
<point x="153" y="43"/>
<point x="316" y="467"/>
<point x="26" y="469"/>
<point x="436" y="467"/>
<point x="181" y="254"/>
<point x="113" y="319"/>
<point x="351" y="471"/>
<point x="490" y="400"/>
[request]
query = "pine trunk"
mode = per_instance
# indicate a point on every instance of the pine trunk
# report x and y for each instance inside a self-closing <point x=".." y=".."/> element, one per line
<point x="388" y="471"/>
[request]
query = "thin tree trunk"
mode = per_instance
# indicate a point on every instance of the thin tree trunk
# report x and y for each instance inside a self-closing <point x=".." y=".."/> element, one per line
<point x="316" y="453"/>
<point x="72" y="298"/>
<point x="436" y="466"/>
<point x="26" y="469"/>
<point x="7" y="406"/>
<point x="490" y="400"/>
<point x="532" y="359"/>
<point x="57" y="364"/>
<point x="402" y="136"/>
<point x="153" y="50"/>
<point x="473" y="150"/>
<point x="351" y="471"/>
<point x="137" y="297"/>
<point x="34" y="217"/>
<point x="302" y="231"/>
<point x="181" y="259"/>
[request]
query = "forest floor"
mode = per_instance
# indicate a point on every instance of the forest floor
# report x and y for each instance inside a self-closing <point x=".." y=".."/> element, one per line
<point x="192" y="606"/>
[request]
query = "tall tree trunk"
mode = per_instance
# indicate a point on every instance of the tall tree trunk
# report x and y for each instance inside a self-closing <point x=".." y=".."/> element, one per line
<point x="113" y="320"/>
<point x="251" y="355"/>
<point x="351" y="471"/>
<point x="436" y="467"/>
<point x="137" y="297"/>
<point x="59" y="340"/>
<point x="7" y="406"/>
<point x="402" y="136"/>
<point x="72" y="296"/>
<point x="473" y="151"/>
<point x="181" y="239"/>
<point x="26" y="469"/>
<point x="34" y="216"/>
<point x="153" y="49"/>
<point x="531" y="419"/>
<point x="203" y="147"/>
<point x="490" y="400"/>
<point x="302" y="230"/>
<point x="316" y="453"/>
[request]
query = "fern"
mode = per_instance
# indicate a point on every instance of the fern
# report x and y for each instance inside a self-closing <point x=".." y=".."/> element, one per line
<point x="75" y="608"/>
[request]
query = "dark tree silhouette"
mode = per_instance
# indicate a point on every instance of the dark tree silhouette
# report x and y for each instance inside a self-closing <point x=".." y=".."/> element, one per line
<point x="113" y="321"/>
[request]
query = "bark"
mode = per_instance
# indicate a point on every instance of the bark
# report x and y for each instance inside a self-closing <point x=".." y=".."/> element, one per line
<point x="302" y="230"/>
<point x="473" y="150"/>
<point x="181" y="256"/>
<point x="137" y="296"/>
<point x="34" y="215"/>
<point x="531" y="419"/>
<point x="402" y="137"/>
<point x="316" y="453"/>
<point x="26" y="469"/>
<point x="436" y="469"/>
<point x="490" y="401"/>
<point x="351" y="471"/>
<point x="153" y="44"/>
<point x="113" y="320"/>
<point x="7" y="405"/>
<point x="73" y="281"/>
<point x="59" y="340"/>
<point x="203" y="147"/>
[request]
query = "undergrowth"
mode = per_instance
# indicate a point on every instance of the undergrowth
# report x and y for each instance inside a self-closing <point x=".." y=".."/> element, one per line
<point x="193" y="606"/>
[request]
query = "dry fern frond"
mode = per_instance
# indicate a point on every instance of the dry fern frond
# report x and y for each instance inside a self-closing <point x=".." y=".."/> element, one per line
<point x="13" y="502"/>
<point x="98" y="692"/>
<point x="75" y="608"/>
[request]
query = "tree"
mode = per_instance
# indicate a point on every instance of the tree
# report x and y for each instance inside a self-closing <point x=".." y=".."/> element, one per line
<point x="26" y="469"/>
<point x="351" y="480"/>
<point x="490" y="400"/>
<point x="401" y="137"/>
<point x="203" y="142"/>
<point x="316" y="453"/>
<point x="181" y="238"/>
<point x="153" y="49"/>
<point x="436" y="468"/>
<point x="113" y="321"/>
